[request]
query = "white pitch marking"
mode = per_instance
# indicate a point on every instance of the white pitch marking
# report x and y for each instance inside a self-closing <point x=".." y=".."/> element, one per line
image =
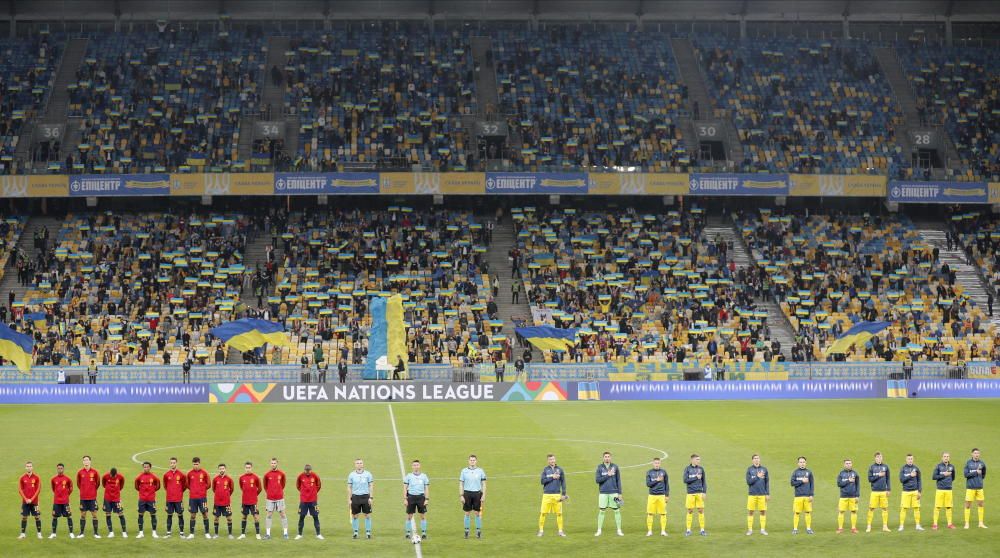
<point x="402" y="473"/>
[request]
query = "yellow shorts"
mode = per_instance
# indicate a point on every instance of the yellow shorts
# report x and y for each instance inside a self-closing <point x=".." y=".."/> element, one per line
<point x="942" y="499"/>
<point x="974" y="494"/>
<point x="756" y="503"/>
<point x="656" y="505"/>
<point x="847" y="504"/>
<point x="910" y="499"/>
<point x="802" y="504"/>
<point x="551" y="503"/>
<point x="694" y="501"/>
<point x="878" y="500"/>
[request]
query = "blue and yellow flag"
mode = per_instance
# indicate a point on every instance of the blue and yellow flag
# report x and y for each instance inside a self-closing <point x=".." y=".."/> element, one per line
<point x="857" y="336"/>
<point x="387" y="341"/>
<point x="548" y="338"/>
<point x="249" y="333"/>
<point x="37" y="319"/>
<point x="16" y="347"/>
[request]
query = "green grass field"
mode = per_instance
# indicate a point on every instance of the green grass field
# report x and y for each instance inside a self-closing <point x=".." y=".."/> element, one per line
<point x="512" y="440"/>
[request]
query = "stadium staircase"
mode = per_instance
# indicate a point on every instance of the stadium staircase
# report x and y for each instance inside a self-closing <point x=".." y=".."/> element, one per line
<point x="26" y="245"/>
<point x="500" y="267"/>
<point x="274" y="95"/>
<point x="888" y="61"/>
<point x="487" y="94"/>
<point x="692" y="75"/>
<point x="56" y="107"/>
<point x="777" y="322"/>
<point x="256" y="256"/>
<point x="966" y="275"/>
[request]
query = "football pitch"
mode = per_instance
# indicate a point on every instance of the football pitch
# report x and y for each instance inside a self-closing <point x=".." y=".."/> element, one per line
<point x="511" y="441"/>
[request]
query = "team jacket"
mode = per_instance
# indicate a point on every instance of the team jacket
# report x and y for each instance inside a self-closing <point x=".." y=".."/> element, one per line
<point x="879" y="484"/>
<point x="757" y="486"/>
<point x="146" y="484"/>
<point x="944" y="482"/>
<point x="658" y="487"/>
<point x="250" y="487"/>
<point x="694" y="484"/>
<point x="88" y="481"/>
<point x="62" y="487"/>
<point x="174" y="484"/>
<point x="113" y="487"/>
<point x="608" y="483"/>
<point x="911" y="483"/>
<point x="308" y="485"/>
<point x="274" y="485"/>
<point x="972" y="480"/>
<point x="849" y="489"/>
<point x="222" y="489"/>
<point x="803" y="488"/>
<point x="551" y="485"/>
<point x="198" y="483"/>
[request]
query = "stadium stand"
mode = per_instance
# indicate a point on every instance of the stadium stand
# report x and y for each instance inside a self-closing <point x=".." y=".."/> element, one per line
<point x="582" y="99"/>
<point x="830" y="271"/>
<point x="804" y="106"/>
<point x="380" y="95"/>
<point x="26" y="71"/>
<point x="641" y="287"/>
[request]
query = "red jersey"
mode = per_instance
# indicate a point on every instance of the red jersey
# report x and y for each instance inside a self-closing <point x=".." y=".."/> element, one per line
<point x="113" y="487"/>
<point x="250" y="485"/>
<point x="222" y="487"/>
<point x="30" y="486"/>
<point x="198" y="483"/>
<point x="174" y="484"/>
<point x="88" y="481"/>
<point x="274" y="485"/>
<point x="62" y="487"/>
<point x="147" y="484"/>
<point x="308" y="485"/>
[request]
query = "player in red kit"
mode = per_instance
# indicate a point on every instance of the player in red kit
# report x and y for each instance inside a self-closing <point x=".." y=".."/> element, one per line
<point x="222" y="488"/>
<point x="88" y="480"/>
<point x="198" y="481"/>
<point x="147" y="484"/>
<point x="309" y="485"/>
<point x="251" y="487"/>
<point x="274" y="489"/>
<point x="62" y="487"/>
<point x="29" y="486"/>
<point x="174" y="484"/>
<point x="113" y="483"/>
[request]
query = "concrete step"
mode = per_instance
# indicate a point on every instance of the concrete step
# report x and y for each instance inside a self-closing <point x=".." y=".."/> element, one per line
<point x="966" y="274"/>
<point x="25" y="244"/>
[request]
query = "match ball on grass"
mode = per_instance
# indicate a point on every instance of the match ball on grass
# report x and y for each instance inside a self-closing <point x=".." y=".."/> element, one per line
<point x="415" y="539"/>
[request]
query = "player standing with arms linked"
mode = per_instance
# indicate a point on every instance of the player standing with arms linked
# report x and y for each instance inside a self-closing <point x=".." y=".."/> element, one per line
<point x="250" y="487"/>
<point x="416" y="495"/>
<point x="694" y="478"/>
<point x="913" y="485"/>
<point x="198" y="481"/>
<point x="975" y="474"/>
<point x="472" y="493"/>
<point x="803" y="481"/>
<point x="29" y="486"/>
<point x="222" y="493"/>
<point x="88" y="480"/>
<point x="658" y="483"/>
<point x="609" y="482"/>
<point x="758" y="493"/>
<point x="62" y="487"/>
<point x="850" y="491"/>
<point x="360" y="489"/>
<point x="147" y="484"/>
<point x="944" y="474"/>
<point x="309" y="485"/>
<point x="553" y="494"/>
<point x="174" y="485"/>
<point x="274" y="490"/>
<point x="113" y="483"/>
<point x="878" y="477"/>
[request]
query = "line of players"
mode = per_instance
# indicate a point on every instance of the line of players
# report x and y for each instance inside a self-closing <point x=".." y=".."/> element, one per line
<point x="472" y="494"/>
<point x="758" y="479"/>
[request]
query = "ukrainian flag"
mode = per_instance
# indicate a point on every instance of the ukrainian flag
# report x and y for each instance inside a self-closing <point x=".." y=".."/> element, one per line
<point x="16" y="347"/>
<point x="37" y="319"/>
<point x="547" y="338"/>
<point x="588" y="391"/>
<point x="387" y="341"/>
<point x="857" y="335"/>
<point x="249" y="333"/>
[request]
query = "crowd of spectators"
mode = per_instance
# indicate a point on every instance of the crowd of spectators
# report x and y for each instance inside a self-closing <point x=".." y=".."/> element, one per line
<point x="27" y="67"/>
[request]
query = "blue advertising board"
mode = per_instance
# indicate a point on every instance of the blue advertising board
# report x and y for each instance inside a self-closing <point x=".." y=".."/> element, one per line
<point x="953" y="388"/>
<point x="791" y="389"/>
<point x="103" y="185"/>
<point x="729" y="184"/>
<point x="103" y="393"/>
<point x="314" y="183"/>
<point x="905" y="191"/>
<point x="536" y="183"/>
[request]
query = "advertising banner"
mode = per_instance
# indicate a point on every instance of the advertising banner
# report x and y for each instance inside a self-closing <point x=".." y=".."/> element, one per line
<point x="638" y="184"/>
<point x="837" y="185"/>
<point x="904" y="191"/>
<point x="536" y="183"/>
<point x="315" y="183"/>
<point x="368" y="391"/>
<point x="222" y="184"/>
<point x="104" y="185"/>
<point x="103" y="393"/>
<point x="953" y="388"/>
<point x="994" y="192"/>
<point x="728" y="184"/>
<point x="34" y="186"/>
<point x="658" y="391"/>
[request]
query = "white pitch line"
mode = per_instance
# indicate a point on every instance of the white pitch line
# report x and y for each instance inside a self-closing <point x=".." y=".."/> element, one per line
<point x="402" y="472"/>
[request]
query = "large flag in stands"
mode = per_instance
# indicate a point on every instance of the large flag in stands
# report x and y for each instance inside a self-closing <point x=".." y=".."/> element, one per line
<point x="857" y="335"/>
<point x="387" y="341"/>
<point x="548" y="338"/>
<point x="16" y="347"/>
<point x="249" y="333"/>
